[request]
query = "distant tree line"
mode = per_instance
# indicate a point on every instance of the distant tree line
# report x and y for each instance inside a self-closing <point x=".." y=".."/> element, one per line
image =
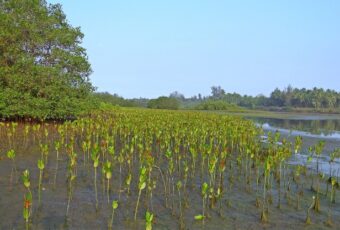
<point x="116" y="100"/>
<point x="315" y="99"/>
<point x="164" y="103"/>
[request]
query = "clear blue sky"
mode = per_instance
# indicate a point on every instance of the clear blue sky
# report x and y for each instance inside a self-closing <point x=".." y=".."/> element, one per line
<point x="147" y="48"/>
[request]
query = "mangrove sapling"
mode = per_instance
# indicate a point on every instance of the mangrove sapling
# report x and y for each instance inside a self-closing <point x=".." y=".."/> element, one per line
<point x="297" y="148"/>
<point x="185" y="170"/>
<point x="148" y="220"/>
<point x="95" y="159"/>
<point x="179" y="186"/>
<point x="44" y="152"/>
<point x="26" y="180"/>
<point x="299" y="190"/>
<point x="204" y="194"/>
<point x="26" y="131"/>
<point x="141" y="186"/>
<point x="84" y="148"/>
<point x="11" y="156"/>
<point x="72" y="177"/>
<point x="108" y="175"/>
<point x="212" y="166"/>
<point x="333" y="155"/>
<point x="114" y="207"/>
<point x="329" y="214"/>
<point x="89" y="147"/>
<point x="257" y="166"/>
<point x="103" y="148"/>
<point x="27" y="209"/>
<point x="128" y="182"/>
<point x="308" y="219"/>
<point x="317" y="198"/>
<point x="41" y="166"/>
<point x="103" y="179"/>
<point x="111" y="151"/>
<point x="318" y="150"/>
<point x="267" y="166"/>
<point x="151" y="187"/>
<point x="27" y="212"/>
<point x="170" y="176"/>
<point x="57" y="148"/>
<point x="14" y="126"/>
<point x="164" y="184"/>
<point x="193" y="161"/>
<point x="121" y="161"/>
<point x="219" y="196"/>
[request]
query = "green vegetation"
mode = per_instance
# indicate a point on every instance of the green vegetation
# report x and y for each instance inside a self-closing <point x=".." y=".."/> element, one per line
<point x="44" y="72"/>
<point x="201" y="160"/>
<point x="27" y="198"/>
<point x="188" y="162"/>
<point x="119" y="101"/>
<point x="164" y="103"/>
<point x="218" y="105"/>
<point x="288" y="100"/>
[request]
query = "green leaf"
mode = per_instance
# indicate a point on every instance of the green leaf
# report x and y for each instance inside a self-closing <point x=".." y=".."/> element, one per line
<point x="41" y="164"/>
<point x="142" y="185"/>
<point x="115" y="204"/>
<point x="199" y="217"/>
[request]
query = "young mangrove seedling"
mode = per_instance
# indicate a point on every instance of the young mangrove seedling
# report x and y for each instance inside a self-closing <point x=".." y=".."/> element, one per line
<point x="318" y="150"/>
<point x="298" y="144"/>
<point x="148" y="220"/>
<point x="95" y="159"/>
<point x="332" y="156"/>
<point x="120" y="160"/>
<point x="128" y="183"/>
<point x="57" y="148"/>
<point x="11" y="156"/>
<point x="185" y="170"/>
<point x="204" y="194"/>
<point x="317" y="198"/>
<point x="308" y="220"/>
<point x="114" y="207"/>
<point x="329" y="218"/>
<point x="26" y="180"/>
<point x="27" y="208"/>
<point x="27" y="212"/>
<point x="44" y="152"/>
<point x="267" y="167"/>
<point x="108" y="175"/>
<point x="299" y="190"/>
<point x="84" y="147"/>
<point x="170" y="176"/>
<point x="41" y="166"/>
<point x="179" y="186"/>
<point x="71" y="178"/>
<point x="219" y="196"/>
<point x="141" y="186"/>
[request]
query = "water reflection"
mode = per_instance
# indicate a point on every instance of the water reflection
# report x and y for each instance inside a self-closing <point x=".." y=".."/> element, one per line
<point x="312" y="130"/>
<point x="325" y="127"/>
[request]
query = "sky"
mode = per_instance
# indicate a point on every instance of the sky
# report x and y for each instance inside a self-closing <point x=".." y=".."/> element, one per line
<point x="150" y="48"/>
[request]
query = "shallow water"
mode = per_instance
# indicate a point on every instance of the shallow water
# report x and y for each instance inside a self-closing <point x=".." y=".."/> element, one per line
<point x="312" y="128"/>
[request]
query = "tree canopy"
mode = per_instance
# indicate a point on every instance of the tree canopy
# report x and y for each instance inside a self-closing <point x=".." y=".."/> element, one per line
<point x="164" y="103"/>
<point x="44" y="70"/>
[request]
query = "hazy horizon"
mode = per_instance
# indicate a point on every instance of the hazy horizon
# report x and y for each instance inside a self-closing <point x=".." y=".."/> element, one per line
<point x="152" y="48"/>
